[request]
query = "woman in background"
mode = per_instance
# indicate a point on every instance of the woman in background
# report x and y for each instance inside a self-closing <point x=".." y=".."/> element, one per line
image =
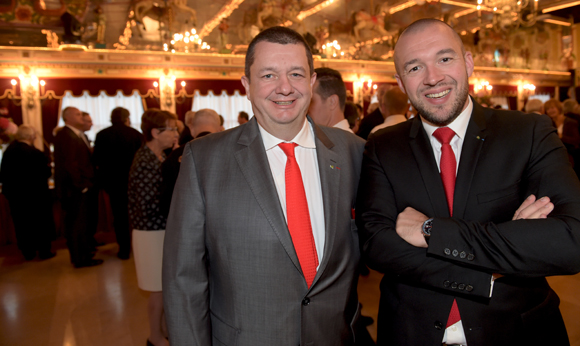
<point x="148" y="223"/>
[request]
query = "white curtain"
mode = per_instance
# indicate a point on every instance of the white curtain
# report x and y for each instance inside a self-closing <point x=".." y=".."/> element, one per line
<point x="225" y="105"/>
<point x="100" y="107"/>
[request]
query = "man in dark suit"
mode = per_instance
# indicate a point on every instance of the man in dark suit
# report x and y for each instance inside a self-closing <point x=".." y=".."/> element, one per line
<point x="464" y="250"/>
<point x="24" y="175"/>
<point x="374" y="118"/>
<point x="74" y="182"/>
<point x="260" y="247"/>
<point x="115" y="148"/>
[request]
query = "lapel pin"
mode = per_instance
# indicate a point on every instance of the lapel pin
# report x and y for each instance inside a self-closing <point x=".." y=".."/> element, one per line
<point x="483" y="139"/>
<point x="333" y="167"/>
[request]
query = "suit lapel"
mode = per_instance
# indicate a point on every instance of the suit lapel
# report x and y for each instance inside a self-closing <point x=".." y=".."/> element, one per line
<point x="472" y="144"/>
<point x="423" y="153"/>
<point x="254" y="165"/>
<point x="329" y="163"/>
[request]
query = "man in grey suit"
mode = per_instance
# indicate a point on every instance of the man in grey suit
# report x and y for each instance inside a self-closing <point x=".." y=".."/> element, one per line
<point x="233" y="270"/>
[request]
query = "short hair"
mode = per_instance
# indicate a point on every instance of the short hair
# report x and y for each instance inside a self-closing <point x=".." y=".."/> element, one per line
<point x="382" y="90"/>
<point x="351" y="113"/>
<point x="280" y="35"/>
<point x="569" y="105"/>
<point x="419" y="25"/>
<point x="534" y="105"/>
<point x="553" y="103"/>
<point x="119" y="115"/>
<point x="154" y="118"/>
<point x="395" y="101"/>
<point x="85" y="114"/>
<point x="221" y="120"/>
<point x="330" y="83"/>
<point x="24" y="133"/>
<point x="66" y="111"/>
<point x="244" y="115"/>
<point x="189" y="116"/>
<point x="206" y="116"/>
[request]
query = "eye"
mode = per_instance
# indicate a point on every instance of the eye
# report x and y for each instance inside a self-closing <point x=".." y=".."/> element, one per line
<point x="446" y="59"/>
<point x="413" y="69"/>
<point x="267" y="76"/>
<point x="296" y="74"/>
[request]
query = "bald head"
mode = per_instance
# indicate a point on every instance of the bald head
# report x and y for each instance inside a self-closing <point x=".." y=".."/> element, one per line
<point x="423" y="25"/>
<point x="205" y="120"/>
<point x="25" y="134"/>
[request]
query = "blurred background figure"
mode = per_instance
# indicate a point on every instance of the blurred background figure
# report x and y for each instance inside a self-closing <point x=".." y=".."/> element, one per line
<point x="185" y="135"/>
<point x="534" y="106"/>
<point x="393" y="106"/>
<point x="115" y="148"/>
<point x="24" y="175"/>
<point x="374" y="116"/>
<point x="328" y="99"/>
<point x="567" y="127"/>
<point x="243" y="118"/>
<point x="160" y="131"/>
<point x="352" y="115"/>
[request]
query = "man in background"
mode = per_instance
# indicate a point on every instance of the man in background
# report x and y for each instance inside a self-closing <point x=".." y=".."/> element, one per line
<point x="374" y="118"/>
<point x="393" y="106"/>
<point x="243" y="118"/>
<point x="185" y="135"/>
<point x="328" y="99"/>
<point x="534" y="106"/>
<point x="115" y="148"/>
<point x="74" y="175"/>
<point x="24" y="175"/>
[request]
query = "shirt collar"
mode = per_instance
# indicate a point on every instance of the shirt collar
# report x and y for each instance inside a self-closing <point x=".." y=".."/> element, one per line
<point x="304" y="138"/>
<point x="459" y="125"/>
<point x="75" y="130"/>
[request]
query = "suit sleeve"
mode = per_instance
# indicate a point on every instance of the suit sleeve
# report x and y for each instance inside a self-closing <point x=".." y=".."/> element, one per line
<point x="185" y="274"/>
<point x="385" y="251"/>
<point x="67" y="150"/>
<point x="525" y="248"/>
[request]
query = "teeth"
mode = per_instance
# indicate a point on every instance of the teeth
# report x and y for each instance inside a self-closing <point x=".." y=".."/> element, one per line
<point x="438" y="95"/>
<point x="284" y="103"/>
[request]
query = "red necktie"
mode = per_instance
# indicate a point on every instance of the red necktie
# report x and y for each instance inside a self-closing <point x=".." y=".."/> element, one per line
<point x="298" y="215"/>
<point x="448" y="166"/>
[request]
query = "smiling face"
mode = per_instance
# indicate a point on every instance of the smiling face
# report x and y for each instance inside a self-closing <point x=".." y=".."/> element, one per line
<point x="552" y="112"/>
<point x="433" y="71"/>
<point x="280" y="87"/>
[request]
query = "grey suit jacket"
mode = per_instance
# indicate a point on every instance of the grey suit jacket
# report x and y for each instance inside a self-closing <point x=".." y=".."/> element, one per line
<point x="230" y="272"/>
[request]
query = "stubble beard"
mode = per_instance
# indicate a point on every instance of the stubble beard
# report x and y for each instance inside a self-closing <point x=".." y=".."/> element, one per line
<point x="456" y="108"/>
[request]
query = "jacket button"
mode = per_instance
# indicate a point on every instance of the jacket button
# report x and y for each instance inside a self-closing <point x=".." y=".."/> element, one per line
<point x="461" y="286"/>
<point x="469" y="288"/>
<point x="446" y="283"/>
<point x="462" y="254"/>
<point x="447" y="251"/>
<point x="305" y="301"/>
<point x="455" y="253"/>
<point x="470" y="257"/>
<point x="438" y="325"/>
<point x="454" y="285"/>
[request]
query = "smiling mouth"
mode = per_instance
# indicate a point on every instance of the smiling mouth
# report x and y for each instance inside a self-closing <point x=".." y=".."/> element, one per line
<point x="283" y="103"/>
<point x="438" y="95"/>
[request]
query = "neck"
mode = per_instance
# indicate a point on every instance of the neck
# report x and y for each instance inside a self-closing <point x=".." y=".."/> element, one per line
<point x="155" y="148"/>
<point x="559" y="119"/>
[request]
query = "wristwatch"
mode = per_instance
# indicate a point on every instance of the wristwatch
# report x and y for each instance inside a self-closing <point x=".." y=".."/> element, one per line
<point x="426" y="229"/>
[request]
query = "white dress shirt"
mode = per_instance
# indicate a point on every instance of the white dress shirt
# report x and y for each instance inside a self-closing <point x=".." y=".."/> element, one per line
<point x="307" y="159"/>
<point x="454" y="335"/>
<point x="390" y="121"/>
<point x="343" y="124"/>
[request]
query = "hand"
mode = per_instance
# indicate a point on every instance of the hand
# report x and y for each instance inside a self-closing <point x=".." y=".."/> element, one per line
<point x="409" y="227"/>
<point x="534" y="209"/>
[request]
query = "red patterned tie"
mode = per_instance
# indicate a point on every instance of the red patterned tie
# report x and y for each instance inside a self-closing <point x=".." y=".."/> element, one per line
<point x="298" y="216"/>
<point x="448" y="166"/>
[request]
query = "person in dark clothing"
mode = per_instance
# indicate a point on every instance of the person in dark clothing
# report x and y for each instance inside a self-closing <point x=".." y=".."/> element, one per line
<point x="375" y="117"/>
<point x="24" y="175"/>
<point x="203" y="122"/>
<point x="185" y="135"/>
<point x="115" y="148"/>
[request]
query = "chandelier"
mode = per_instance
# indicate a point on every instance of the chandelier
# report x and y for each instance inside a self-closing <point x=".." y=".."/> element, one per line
<point x="511" y="13"/>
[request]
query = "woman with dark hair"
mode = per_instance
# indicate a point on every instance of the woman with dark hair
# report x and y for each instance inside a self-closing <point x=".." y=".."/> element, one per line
<point x="148" y="223"/>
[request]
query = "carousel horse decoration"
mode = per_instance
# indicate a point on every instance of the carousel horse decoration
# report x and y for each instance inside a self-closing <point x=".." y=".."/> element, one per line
<point x="167" y="15"/>
<point x="278" y="12"/>
<point x="374" y="25"/>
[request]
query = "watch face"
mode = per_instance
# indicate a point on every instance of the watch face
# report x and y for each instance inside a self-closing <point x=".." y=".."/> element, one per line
<point x="427" y="225"/>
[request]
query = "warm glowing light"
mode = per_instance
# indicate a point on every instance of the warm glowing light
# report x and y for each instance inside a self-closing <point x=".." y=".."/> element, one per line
<point x="224" y="12"/>
<point x="318" y="7"/>
<point x="155" y="84"/>
<point x="193" y="31"/>
<point x="182" y="83"/>
<point x="375" y="87"/>
<point x="558" y="7"/>
<point x="401" y="7"/>
<point x="42" y="82"/>
<point x="13" y="82"/>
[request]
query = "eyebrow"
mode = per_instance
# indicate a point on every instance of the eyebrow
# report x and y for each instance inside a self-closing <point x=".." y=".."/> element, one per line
<point x="441" y="52"/>
<point x="292" y="68"/>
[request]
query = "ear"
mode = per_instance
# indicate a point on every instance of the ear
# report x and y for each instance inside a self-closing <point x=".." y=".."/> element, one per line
<point x="246" y="84"/>
<point x="155" y="133"/>
<point x="312" y="80"/>
<point x="333" y="101"/>
<point x="468" y="63"/>
<point x="400" y="83"/>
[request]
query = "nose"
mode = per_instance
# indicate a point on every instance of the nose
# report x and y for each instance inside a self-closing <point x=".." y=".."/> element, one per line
<point x="284" y="86"/>
<point x="433" y="76"/>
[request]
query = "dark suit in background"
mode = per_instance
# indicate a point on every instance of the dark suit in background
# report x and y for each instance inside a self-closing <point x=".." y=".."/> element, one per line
<point x="506" y="156"/>
<point x="115" y="148"/>
<point x="24" y="175"/>
<point x="75" y="186"/>
<point x="369" y="122"/>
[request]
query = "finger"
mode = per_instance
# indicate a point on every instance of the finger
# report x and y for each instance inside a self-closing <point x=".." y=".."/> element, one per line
<point x="547" y="210"/>
<point x="527" y="202"/>
<point x="543" y="206"/>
